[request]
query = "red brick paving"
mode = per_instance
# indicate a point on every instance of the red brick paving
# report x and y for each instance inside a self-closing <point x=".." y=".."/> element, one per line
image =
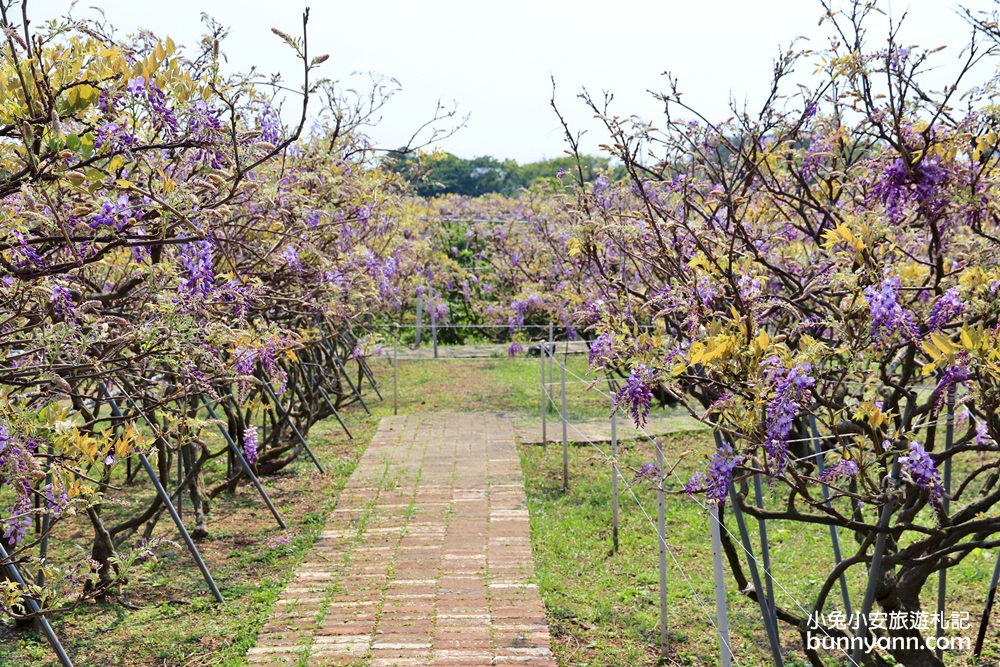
<point x="426" y="560"/>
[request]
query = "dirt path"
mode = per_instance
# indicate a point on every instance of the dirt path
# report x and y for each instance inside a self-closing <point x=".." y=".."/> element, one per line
<point x="426" y="560"/>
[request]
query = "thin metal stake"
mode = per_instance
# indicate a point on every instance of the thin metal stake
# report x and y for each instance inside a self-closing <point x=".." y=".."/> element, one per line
<point x="336" y="414"/>
<point x="552" y="348"/>
<point x="434" y="332"/>
<point x="949" y="436"/>
<point x="834" y="537"/>
<point x="366" y="371"/>
<point x="165" y="497"/>
<point x="180" y="482"/>
<point x="35" y="609"/>
<point x="769" y="625"/>
<point x="350" y="383"/>
<point x="721" y="613"/>
<point x="420" y="319"/>
<point x="990" y="598"/>
<point x="295" y="429"/>
<point x="764" y="549"/>
<point x="395" y="372"/>
<point x="245" y="465"/>
<point x="545" y="395"/>
<point x="661" y="528"/>
<point x="43" y="547"/>
<point x="614" y="477"/>
<point x="565" y="441"/>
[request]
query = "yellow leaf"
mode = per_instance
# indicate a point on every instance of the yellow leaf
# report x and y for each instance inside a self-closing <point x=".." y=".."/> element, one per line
<point x="696" y="352"/>
<point x="943" y="343"/>
<point x="967" y="341"/>
<point x="763" y="341"/>
<point x="931" y="351"/>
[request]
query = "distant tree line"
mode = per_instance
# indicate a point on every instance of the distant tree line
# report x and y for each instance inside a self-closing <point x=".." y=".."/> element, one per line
<point x="441" y="173"/>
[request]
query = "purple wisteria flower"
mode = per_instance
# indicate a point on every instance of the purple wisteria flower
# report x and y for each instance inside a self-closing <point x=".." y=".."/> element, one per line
<point x="604" y="195"/>
<point x="946" y="309"/>
<point x="888" y="316"/>
<point x="706" y="291"/>
<point x="649" y="471"/>
<point x="291" y="257"/>
<point x="637" y="393"/>
<point x="265" y="356"/>
<point x="601" y="350"/>
<point x="250" y="444"/>
<point x="114" y="137"/>
<point x="715" y="484"/>
<point x="62" y="303"/>
<point x="197" y="259"/>
<point x="270" y="125"/>
<point x="243" y="367"/>
<point x="955" y="375"/>
<point x="919" y="466"/>
<point x="921" y="184"/>
<point x="983" y="437"/>
<point x="514" y="349"/>
<point x="790" y="389"/>
<point x="844" y="470"/>
<point x="520" y="307"/>
<point x="117" y="216"/>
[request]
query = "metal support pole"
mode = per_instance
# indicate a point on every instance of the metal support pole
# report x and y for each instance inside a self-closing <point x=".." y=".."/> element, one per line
<point x="43" y="547"/>
<point x="395" y="372"/>
<point x="834" y="538"/>
<point x="350" y="383"/>
<point x="434" y="333"/>
<point x="180" y="482"/>
<point x="165" y="497"/>
<point x="990" y="599"/>
<point x="333" y="408"/>
<point x="949" y="436"/>
<point x="614" y="477"/>
<point x="245" y="465"/>
<point x="295" y="429"/>
<point x="420" y="319"/>
<point x="545" y="395"/>
<point x="552" y="348"/>
<point x="565" y="440"/>
<point x="769" y="625"/>
<point x="765" y="551"/>
<point x="721" y="613"/>
<point x="661" y="529"/>
<point x="366" y="371"/>
<point x="35" y="609"/>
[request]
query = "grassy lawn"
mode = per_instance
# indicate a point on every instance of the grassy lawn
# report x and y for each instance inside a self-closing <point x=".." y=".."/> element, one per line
<point x="603" y="607"/>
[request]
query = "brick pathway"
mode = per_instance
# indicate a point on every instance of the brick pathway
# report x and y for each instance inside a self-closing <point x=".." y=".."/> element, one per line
<point x="426" y="560"/>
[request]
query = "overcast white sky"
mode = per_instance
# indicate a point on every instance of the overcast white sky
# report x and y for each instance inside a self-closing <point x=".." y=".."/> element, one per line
<point x="495" y="59"/>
